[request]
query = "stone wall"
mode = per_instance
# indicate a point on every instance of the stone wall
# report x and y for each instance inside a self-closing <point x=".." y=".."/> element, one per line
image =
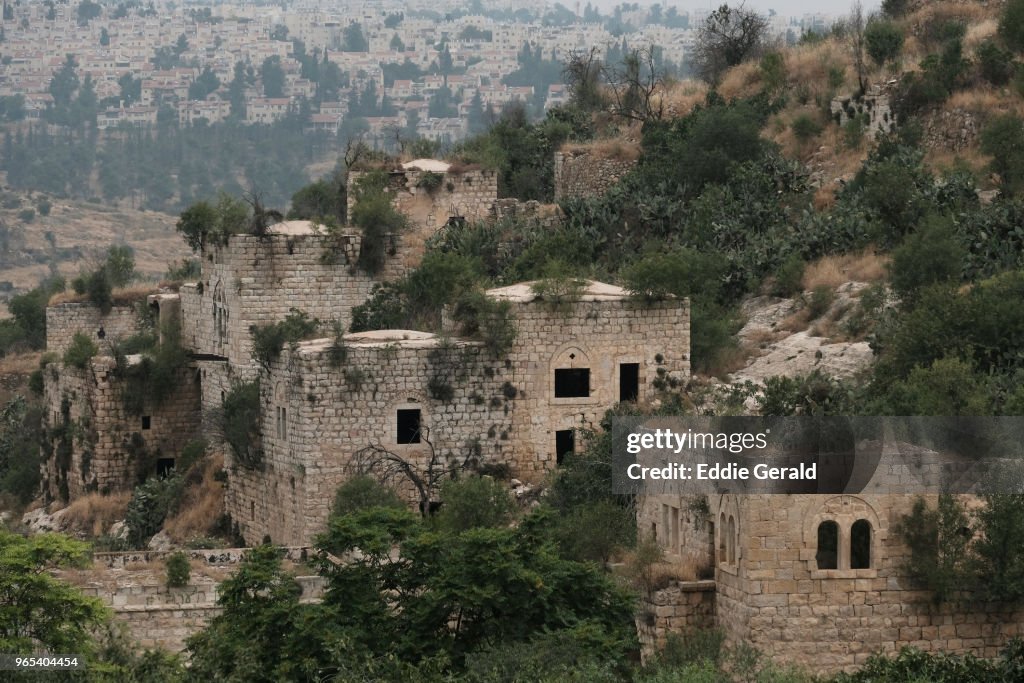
<point x="94" y="443"/>
<point x="257" y="281"/>
<point x="875" y="106"/>
<point x="466" y="194"/>
<point x="585" y="174"/>
<point x="681" y="607"/>
<point x="530" y="212"/>
<point x="316" y="417"/>
<point x="951" y="130"/>
<point x="63" y="321"/>
<point x="772" y="595"/>
<point x="162" y="617"/>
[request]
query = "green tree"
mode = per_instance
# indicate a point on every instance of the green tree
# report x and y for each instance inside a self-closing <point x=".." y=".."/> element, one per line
<point x="473" y="503"/>
<point x="1003" y="139"/>
<point x="353" y="39"/>
<point x="37" y="610"/>
<point x="204" y="85"/>
<point x="272" y="76"/>
<point x="883" y="41"/>
<point x="362" y="492"/>
<point x="1011" y="25"/>
<point x="929" y="256"/>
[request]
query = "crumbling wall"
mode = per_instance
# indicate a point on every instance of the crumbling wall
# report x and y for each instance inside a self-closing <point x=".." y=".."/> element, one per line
<point x="468" y="194"/>
<point x="681" y="607"/>
<point x="64" y="321"/>
<point x="580" y="173"/>
<point x="873" y="107"/>
<point x="94" y="443"/>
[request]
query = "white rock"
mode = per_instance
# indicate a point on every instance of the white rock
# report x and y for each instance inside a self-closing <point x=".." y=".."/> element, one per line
<point x="161" y="541"/>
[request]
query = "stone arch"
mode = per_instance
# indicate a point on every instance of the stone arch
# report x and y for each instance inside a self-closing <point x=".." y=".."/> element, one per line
<point x="845" y="510"/>
<point x="280" y="402"/>
<point x="571" y="374"/>
<point x="730" y="549"/>
<point x="220" y="313"/>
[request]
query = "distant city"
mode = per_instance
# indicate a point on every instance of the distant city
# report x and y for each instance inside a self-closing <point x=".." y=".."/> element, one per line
<point x="433" y="70"/>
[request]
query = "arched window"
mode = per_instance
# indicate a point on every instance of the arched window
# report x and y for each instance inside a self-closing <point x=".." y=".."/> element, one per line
<point x="860" y="545"/>
<point x="722" y="531"/>
<point x="732" y="540"/>
<point x="828" y="545"/>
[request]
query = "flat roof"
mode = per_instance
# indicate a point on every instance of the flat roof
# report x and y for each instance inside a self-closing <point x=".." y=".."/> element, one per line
<point x="407" y="339"/>
<point x="522" y="292"/>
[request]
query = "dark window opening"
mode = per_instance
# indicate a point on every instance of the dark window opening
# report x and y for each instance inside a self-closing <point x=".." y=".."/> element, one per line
<point x="629" y="381"/>
<point x="572" y="383"/>
<point x="146" y="422"/>
<point x="828" y="546"/>
<point x="565" y="444"/>
<point x="860" y="545"/>
<point x="408" y="426"/>
<point x="164" y="466"/>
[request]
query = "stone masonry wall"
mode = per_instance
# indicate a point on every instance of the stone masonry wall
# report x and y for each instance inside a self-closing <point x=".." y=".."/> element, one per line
<point x="330" y="413"/>
<point x="253" y="281"/>
<point x="582" y="174"/>
<point x="467" y="194"/>
<point x="875" y="106"/>
<point x="94" y="444"/>
<point x="599" y="335"/>
<point x="681" y="607"/>
<point x="63" y="321"/>
<point x="773" y="596"/>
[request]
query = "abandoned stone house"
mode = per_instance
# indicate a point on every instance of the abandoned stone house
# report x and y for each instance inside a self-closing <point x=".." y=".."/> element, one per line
<point x="406" y="392"/>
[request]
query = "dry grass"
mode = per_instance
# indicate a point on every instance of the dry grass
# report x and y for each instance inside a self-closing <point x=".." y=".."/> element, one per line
<point x="763" y="337"/>
<point x="617" y="149"/>
<point x="728" y="361"/>
<point x="797" y="322"/>
<point x="121" y="296"/>
<point x="680" y="97"/>
<point x="20" y="363"/>
<point x="663" y="574"/>
<point x="202" y="503"/>
<point x="93" y="514"/>
<point x="743" y="80"/>
<point x="832" y="271"/>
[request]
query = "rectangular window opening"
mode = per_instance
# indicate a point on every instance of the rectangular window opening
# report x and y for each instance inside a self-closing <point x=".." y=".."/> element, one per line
<point x="408" y="426"/>
<point x="147" y="422"/>
<point x="572" y="383"/>
<point x="565" y="444"/>
<point x="629" y="381"/>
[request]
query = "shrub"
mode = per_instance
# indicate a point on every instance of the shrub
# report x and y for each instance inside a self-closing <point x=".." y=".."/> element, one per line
<point x="44" y="206"/>
<point x="385" y="309"/>
<point x="995" y="63"/>
<point x="430" y="181"/>
<point x="268" y="340"/>
<point x="1003" y="139"/>
<point x="179" y="570"/>
<point x="80" y="351"/>
<point x="27" y="215"/>
<point x="593" y="531"/>
<point x="375" y="215"/>
<point x="682" y="272"/>
<point x="489" y="320"/>
<point x="805" y="127"/>
<point x="853" y="131"/>
<point x="789" y="278"/>
<point x="821" y="299"/>
<point x="240" y="423"/>
<point x="773" y="71"/>
<point x="474" y="502"/>
<point x="883" y="41"/>
<point x="362" y="492"/>
<point x="1011" y="25"/>
<point x="152" y="502"/>
<point x="929" y="256"/>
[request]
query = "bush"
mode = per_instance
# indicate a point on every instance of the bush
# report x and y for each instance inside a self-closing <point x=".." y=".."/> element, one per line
<point x="268" y="340"/>
<point x="362" y="492"/>
<point x="593" y="531"/>
<point x="179" y="570"/>
<point x="682" y="272"/>
<point x="789" y="278"/>
<point x="995" y="63"/>
<point x="486" y="319"/>
<point x="929" y="256"/>
<point x="1003" y="139"/>
<point x="883" y="41"/>
<point x="377" y="217"/>
<point x="81" y="351"/>
<point x="805" y="127"/>
<point x="152" y="502"/>
<point x="821" y="299"/>
<point x="474" y="502"/>
<point x="1011" y="25"/>
<point x="773" y="71"/>
<point x="27" y="215"/>
<point x="240" y="423"/>
<point x="385" y="309"/>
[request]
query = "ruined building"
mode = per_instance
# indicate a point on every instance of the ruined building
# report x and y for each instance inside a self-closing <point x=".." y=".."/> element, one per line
<point x="328" y="407"/>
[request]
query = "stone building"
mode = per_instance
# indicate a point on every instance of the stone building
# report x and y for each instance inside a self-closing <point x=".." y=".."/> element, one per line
<point x="416" y="396"/>
<point x="590" y="172"/>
